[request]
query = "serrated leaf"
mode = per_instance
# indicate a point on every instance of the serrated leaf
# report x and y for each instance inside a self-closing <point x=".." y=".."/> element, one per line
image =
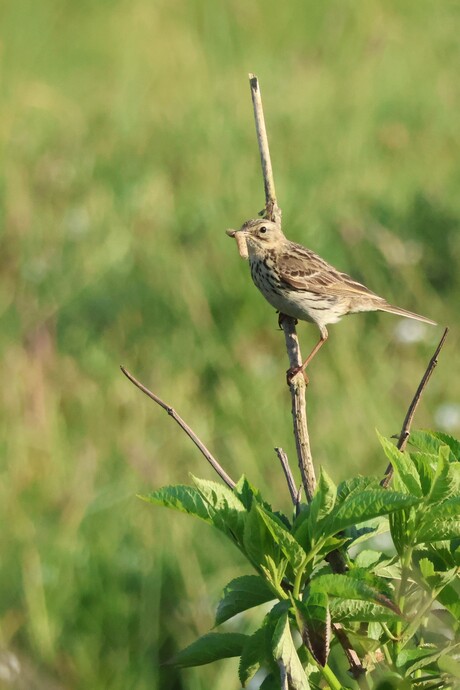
<point x="442" y="522"/>
<point x="371" y="579"/>
<point x="284" y="651"/>
<point x="403" y="467"/>
<point x="301" y="529"/>
<point x="430" y="442"/>
<point x="225" y="504"/>
<point x="323" y="500"/>
<point x="253" y="656"/>
<point x="439" y="530"/>
<point x="316" y="625"/>
<point x="347" y="587"/>
<point x="183" y="498"/>
<point x="450" y="441"/>
<point x="209" y="648"/>
<point x="258" y="541"/>
<point x="352" y="610"/>
<point x="241" y="594"/>
<point x="245" y="492"/>
<point x="284" y="539"/>
<point x="355" y="485"/>
<point x="442" y="481"/>
<point x="364" y="506"/>
<point x="425" y="464"/>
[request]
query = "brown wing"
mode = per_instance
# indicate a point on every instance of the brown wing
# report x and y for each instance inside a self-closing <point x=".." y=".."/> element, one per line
<point x="303" y="270"/>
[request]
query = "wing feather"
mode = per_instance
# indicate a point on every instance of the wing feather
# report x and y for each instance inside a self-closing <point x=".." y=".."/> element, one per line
<point x="303" y="270"/>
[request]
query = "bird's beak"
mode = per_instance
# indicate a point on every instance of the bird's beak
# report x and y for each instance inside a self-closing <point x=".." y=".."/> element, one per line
<point x="231" y="233"/>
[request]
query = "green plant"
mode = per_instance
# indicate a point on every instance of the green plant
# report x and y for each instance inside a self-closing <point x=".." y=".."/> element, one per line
<point x="399" y="609"/>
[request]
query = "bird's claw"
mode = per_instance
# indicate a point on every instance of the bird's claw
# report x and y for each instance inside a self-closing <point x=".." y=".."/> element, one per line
<point x="293" y="371"/>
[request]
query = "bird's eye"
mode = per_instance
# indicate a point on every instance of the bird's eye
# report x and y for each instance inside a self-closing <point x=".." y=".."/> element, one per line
<point x="263" y="230"/>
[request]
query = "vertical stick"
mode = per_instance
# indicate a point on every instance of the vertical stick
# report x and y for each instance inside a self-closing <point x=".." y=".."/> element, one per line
<point x="272" y="211"/>
<point x="287" y="323"/>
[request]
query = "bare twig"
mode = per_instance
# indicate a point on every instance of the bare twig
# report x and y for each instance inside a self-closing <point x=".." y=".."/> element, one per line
<point x="283" y="458"/>
<point x="185" y="427"/>
<point x="297" y="386"/>
<point x="406" y="427"/>
<point x="272" y="211"/>
<point x="356" y="668"/>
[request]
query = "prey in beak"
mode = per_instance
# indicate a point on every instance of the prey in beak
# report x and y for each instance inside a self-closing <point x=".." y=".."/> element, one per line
<point x="240" y="238"/>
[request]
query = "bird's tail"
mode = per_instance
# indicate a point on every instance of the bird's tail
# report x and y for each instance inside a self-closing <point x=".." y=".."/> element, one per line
<point x="408" y="314"/>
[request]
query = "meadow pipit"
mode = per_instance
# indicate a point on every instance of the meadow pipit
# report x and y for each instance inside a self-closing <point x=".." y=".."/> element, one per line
<point x="298" y="283"/>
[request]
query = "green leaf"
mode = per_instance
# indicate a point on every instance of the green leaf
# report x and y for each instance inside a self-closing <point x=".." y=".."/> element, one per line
<point x="246" y="492"/>
<point x="453" y="443"/>
<point x="403" y="467"/>
<point x="442" y="481"/>
<point x="323" y="500"/>
<point x="225" y="503"/>
<point x="372" y="528"/>
<point x="432" y="655"/>
<point x="347" y="587"/>
<point x="367" y="558"/>
<point x="241" y="594"/>
<point x="351" y="610"/>
<point x="184" y="498"/>
<point x="253" y="656"/>
<point x="209" y="648"/>
<point x="430" y="442"/>
<point x="439" y="530"/>
<point x="449" y="597"/>
<point x="302" y="528"/>
<point x="435" y="580"/>
<point x="285" y="652"/>
<point x="354" y="486"/>
<point x="442" y="522"/>
<point x="258" y="541"/>
<point x="284" y="539"/>
<point x="270" y="682"/>
<point x="449" y="665"/>
<point x="363" y="506"/>
<point x="393" y="681"/>
<point x="316" y="625"/>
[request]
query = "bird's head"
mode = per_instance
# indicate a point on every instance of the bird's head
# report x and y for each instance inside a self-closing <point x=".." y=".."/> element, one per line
<point x="260" y="235"/>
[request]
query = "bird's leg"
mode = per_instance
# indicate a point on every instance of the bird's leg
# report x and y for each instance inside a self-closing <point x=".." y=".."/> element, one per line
<point x="296" y="370"/>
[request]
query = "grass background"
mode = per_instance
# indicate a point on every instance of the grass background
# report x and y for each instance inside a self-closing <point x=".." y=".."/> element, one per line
<point x="128" y="146"/>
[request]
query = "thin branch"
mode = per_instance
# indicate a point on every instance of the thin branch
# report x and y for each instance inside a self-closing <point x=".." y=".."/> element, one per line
<point x="297" y="387"/>
<point x="283" y="458"/>
<point x="406" y="427"/>
<point x="356" y="668"/>
<point x="185" y="427"/>
<point x="272" y="211"/>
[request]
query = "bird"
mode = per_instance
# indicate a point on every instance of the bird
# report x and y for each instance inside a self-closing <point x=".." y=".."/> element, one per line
<point x="302" y="285"/>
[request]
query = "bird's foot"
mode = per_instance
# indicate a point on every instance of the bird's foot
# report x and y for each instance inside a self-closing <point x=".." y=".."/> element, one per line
<point x="293" y="371"/>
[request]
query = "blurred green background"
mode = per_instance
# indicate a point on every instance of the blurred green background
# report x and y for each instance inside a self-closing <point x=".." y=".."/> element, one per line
<point x="128" y="146"/>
